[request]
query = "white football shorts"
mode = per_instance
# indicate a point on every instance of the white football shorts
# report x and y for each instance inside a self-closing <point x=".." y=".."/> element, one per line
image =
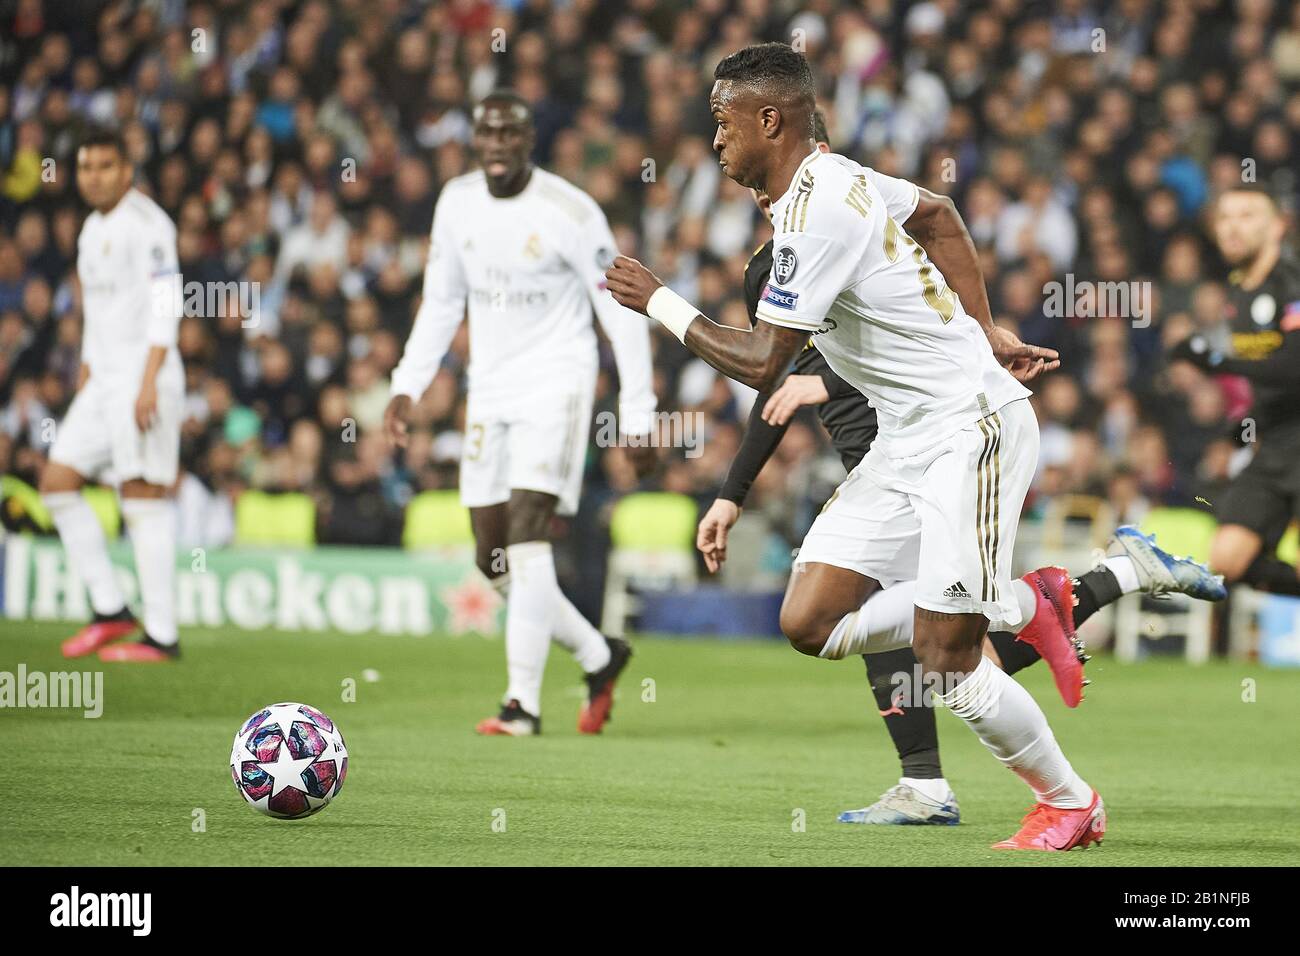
<point x="945" y="518"/>
<point x="99" y="440"/>
<point x="540" y="447"/>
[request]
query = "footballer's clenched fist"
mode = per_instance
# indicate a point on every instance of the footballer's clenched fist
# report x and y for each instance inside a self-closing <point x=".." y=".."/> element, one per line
<point x="631" y="283"/>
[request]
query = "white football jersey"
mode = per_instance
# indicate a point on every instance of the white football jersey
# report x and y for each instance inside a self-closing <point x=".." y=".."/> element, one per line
<point x="129" y="272"/>
<point x="529" y="270"/>
<point x="845" y="270"/>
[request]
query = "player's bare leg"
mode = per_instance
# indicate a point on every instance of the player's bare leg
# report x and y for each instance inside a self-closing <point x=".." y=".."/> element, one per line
<point x="817" y="598"/>
<point x="1011" y="725"/>
<point x="150" y="515"/>
<point x="513" y="549"/>
<point x="87" y="552"/>
<point x="1237" y="553"/>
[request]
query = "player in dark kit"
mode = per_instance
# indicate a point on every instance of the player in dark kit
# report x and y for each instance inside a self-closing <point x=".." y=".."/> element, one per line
<point x="921" y="796"/>
<point x="1264" y="311"/>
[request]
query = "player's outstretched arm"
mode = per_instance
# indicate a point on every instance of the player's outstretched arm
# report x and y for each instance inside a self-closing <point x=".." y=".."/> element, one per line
<point x="938" y="227"/>
<point x="756" y="357"/>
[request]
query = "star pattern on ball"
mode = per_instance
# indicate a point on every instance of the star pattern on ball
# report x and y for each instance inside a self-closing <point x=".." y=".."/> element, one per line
<point x="286" y="770"/>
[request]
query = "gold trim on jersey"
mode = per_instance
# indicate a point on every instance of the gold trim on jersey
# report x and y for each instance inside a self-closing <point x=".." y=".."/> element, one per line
<point x="858" y="199"/>
<point x="796" y="213"/>
<point x="988" y="487"/>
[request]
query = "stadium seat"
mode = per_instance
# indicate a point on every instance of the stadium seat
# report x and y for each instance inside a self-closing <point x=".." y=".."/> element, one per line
<point x="22" y="505"/>
<point x="652" y="535"/>
<point x="283" y="520"/>
<point x="103" y="501"/>
<point x="1248" y="605"/>
<point x="1073" y="529"/>
<point x="436" y="519"/>
<point x="1182" y="531"/>
<point x="27" y="501"/>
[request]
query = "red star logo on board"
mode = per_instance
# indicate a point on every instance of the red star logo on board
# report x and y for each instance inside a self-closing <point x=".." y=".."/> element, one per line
<point x="471" y="606"/>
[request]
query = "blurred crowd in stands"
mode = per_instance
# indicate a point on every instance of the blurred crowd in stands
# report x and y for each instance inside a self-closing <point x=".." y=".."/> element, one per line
<point x="300" y="146"/>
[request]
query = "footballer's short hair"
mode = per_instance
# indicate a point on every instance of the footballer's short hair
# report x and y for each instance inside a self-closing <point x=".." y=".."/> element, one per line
<point x="103" y="136"/>
<point x="1251" y="189"/>
<point x="774" y="68"/>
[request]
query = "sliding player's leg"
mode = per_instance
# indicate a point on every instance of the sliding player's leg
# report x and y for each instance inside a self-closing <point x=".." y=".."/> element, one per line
<point x="1259" y="505"/>
<point x="1239" y="554"/>
<point x="1136" y="564"/>
<point x="968" y="499"/>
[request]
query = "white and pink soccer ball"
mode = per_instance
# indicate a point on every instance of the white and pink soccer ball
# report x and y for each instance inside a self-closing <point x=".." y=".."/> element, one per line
<point x="289" y="760"/>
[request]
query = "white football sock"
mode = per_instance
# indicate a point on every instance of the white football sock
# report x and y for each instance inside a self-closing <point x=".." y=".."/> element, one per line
<point x="530" y="620"/>
<point x="151" y="523"/>
<point x="1028" y="602"/>
<point x="936" y="790"/>
<point x="576" y="634"/>
<point x="1011" y="725"/>
<point x="86" y="549"/>
<point x="573" y="632"/>
<point x="1121" y="566"/>
<point x="883" y="623"/>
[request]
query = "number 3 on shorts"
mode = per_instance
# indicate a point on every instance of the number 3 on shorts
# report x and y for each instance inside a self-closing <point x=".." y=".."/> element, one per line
<point x="476" y="443"/>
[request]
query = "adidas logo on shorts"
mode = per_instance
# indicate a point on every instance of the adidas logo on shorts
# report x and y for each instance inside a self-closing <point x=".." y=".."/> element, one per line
<point x="956" y="591"/>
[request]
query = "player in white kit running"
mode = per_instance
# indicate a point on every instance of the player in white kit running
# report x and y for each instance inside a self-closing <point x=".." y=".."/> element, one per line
<point x="123" y="426"/>
<point x="523" y="252"/>
<point x="938" y="497"/>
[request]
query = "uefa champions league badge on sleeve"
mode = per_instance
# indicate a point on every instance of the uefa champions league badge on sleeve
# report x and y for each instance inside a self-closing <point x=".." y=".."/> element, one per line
<point x="784" y="264"/>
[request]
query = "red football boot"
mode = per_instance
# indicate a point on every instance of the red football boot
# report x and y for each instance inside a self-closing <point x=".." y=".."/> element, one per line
<point x="513" y="721"/>
<point x="1051" y="631"/>
<point x="139" y="652"/>
<point x="600" y="687"/>
<point x="103" y="630"/>
<point x="1051" y="828"/>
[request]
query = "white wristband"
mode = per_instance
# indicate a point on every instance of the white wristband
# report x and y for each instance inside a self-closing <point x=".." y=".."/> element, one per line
<point x="671" y="311"/>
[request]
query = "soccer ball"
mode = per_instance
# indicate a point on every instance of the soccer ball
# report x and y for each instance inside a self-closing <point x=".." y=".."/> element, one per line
<point x="289" y="760"/>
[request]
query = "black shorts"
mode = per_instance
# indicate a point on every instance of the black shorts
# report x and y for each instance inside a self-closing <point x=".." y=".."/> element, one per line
<point x="1265" y="497"/>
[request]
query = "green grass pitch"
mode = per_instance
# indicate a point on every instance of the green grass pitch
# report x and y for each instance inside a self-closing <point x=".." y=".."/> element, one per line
<point x="740" y="737"/>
